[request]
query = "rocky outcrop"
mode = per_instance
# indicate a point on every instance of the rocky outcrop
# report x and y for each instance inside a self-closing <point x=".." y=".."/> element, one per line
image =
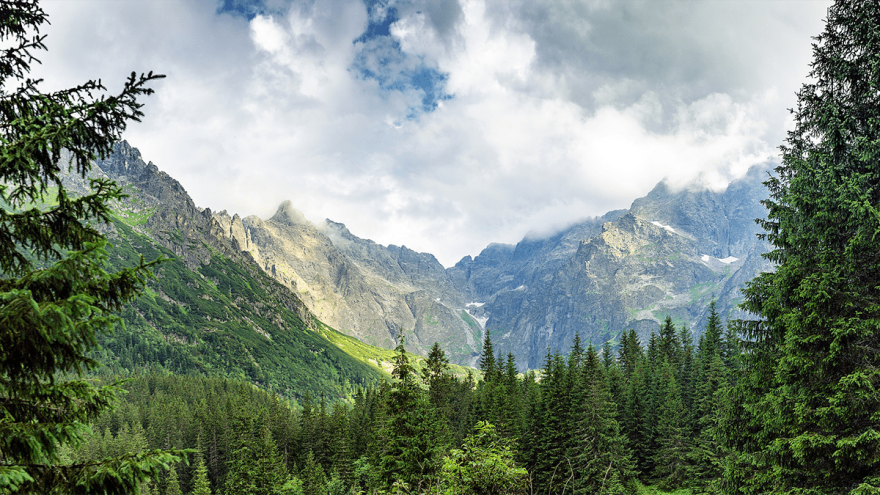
<point x="671" y="254"/>
<point x="366" y="290"/>
<point x="157" y="205"/>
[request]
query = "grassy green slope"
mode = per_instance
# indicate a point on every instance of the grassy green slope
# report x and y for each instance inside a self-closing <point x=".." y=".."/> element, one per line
<point x="380" y="357"/>
<point x="224" y="320"/>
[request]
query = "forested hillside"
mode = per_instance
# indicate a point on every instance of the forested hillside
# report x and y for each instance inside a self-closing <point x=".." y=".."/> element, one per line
<point x="589" y="422"/>
<point x="225" y="320"/>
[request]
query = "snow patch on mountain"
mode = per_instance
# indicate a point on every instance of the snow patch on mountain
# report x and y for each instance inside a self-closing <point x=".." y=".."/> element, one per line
<point x="667" y="227"/>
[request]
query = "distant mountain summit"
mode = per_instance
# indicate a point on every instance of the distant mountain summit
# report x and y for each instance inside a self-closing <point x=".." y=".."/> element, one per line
<point x="372" y="292"/>
<point x="670" y="253"/>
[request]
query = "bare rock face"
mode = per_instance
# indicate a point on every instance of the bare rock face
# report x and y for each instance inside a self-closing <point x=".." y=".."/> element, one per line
<point x="671" y="254"/>
<point x="160" y="208"/>
<point x="366" y="290"/>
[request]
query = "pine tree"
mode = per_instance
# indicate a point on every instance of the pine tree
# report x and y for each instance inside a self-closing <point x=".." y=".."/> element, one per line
<point x="810" y="394"/>
<point x="673" y="456"/>
<point x="601" y="461"/>
<point x="487" y="359"/>
<point x="412" y="440"/>
<point x="201" y="484"/>
<point x="55" y="295"/>
<point x="173" y="485"/>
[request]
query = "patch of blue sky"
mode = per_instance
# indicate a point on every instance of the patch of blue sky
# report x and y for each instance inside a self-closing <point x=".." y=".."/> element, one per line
<point x="252" y="8"/>
<point x="381" y="58"/>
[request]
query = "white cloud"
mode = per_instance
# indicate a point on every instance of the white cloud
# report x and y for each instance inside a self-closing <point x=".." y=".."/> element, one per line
<point x="561" y="110"/>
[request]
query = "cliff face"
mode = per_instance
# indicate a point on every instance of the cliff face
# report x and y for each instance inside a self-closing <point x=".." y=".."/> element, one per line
<point x="670" y="254"/>
<point x="366" y="290"/>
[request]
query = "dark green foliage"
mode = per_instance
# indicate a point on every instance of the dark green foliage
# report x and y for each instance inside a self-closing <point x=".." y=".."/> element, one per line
<point x="602" y="465"/>
<point x="669" y="345"/>
<point x="639" y="431"/>
<point x="189" y="412"/>
<point x="551" y="426"/>
<point x="712" y="341"/>
<point x="673" y="457"/>
<point x="809" y="391"/>
<point x="629" y="353"/>
<point x="173" y="485"/>
<point x="254" y="464"/>
<point x="684" y="375"/>
<point x="568" y="429"/>
<point x="314" y="481"/>
<point x="201" y="484"/>
<point x="412" y="439"/>
<point x="487" y="359"/>
<point x="485" y="465"/>
<point x="55" y="295"/>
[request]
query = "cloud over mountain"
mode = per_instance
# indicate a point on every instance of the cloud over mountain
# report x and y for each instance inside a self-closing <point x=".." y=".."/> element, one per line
<point x="444" y="125"/>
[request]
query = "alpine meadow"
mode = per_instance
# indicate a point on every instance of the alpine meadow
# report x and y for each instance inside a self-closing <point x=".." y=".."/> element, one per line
<point x="701" y="341"/>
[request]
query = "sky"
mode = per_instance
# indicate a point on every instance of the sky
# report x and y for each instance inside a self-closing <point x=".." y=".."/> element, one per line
<point x="444" y="125"/>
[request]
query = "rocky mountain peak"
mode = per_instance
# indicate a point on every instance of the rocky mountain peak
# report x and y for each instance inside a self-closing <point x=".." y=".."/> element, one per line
<point x="123" y="163"/>
<point x="288" y="215"/>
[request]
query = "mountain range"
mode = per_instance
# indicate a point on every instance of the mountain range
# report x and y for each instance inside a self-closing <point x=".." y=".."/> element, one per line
<point x="669" y="254"/>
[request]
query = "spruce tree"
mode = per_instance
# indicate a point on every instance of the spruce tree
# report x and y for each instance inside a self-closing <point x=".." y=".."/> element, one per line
<point x="487" y="359"/>
<point x="629" y="352"/>
<point x="668" y="343"/>
<point x="55" y="296"/>
<point x="341" y="456"/>
<point x="254" y="466"/>
<point x="684" y="375"/>
<point x="201" y="484"/>
<point x="173" y="485"/>
<point x="673" y="455"/>
<point x="602" y="464"/>
<point x="810" y="395"/>
<point x="412" y="439"/>
<point x="712" y="337"/>
<point x="553" y="468"/>
<point x="635" y="417"/>
<point x="314" y="481"/>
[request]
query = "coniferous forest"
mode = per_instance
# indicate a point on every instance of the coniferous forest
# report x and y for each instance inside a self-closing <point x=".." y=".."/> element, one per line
<point x="592" y="421"/>
<point x="787" y="402"/>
